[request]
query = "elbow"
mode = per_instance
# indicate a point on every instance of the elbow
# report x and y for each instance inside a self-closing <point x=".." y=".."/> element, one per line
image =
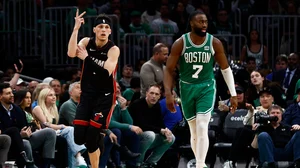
<point x="71" y="54"/>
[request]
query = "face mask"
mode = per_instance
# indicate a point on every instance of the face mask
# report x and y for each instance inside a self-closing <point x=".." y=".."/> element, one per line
<point x="199" y="32"/>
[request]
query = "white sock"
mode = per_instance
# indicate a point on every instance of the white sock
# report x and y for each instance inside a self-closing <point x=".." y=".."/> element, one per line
<point x="202" y="143"/>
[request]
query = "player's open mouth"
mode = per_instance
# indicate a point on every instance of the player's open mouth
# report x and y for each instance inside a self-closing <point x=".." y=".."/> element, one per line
<point x="102" y="34"/>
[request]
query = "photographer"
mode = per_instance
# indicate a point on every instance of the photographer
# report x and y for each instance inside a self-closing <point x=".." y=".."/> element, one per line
<point x="277" y="141"/>
<point x="245" y="135"/>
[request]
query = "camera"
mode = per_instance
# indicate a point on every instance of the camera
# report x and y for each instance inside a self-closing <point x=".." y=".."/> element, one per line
<point x="263" y="118"/>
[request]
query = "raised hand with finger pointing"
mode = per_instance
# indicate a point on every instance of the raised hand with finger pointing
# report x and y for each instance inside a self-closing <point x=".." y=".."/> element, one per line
<point x="78" y="20"/>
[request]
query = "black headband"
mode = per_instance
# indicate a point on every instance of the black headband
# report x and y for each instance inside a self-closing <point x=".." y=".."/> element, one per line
<point x="101" y="21"/>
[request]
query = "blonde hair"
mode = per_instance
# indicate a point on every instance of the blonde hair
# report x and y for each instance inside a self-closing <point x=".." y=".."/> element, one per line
<point x="38" y="89"/>
<point x="51" y="111"/>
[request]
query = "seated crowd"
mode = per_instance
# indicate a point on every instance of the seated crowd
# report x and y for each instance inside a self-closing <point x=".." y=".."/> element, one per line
<point x="36" y="120"/>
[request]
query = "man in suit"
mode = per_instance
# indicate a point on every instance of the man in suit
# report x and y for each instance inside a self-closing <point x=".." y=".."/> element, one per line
<point x="288" y="78"/>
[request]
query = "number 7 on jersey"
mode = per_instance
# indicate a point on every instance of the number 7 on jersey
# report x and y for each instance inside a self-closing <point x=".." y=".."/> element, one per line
<point x="198" y="70"/>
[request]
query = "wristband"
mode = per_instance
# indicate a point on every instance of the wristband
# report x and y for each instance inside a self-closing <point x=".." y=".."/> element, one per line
<point x="130" y="126"/>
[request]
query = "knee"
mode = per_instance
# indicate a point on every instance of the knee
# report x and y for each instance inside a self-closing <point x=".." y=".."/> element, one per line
<point x="27" y="144"/>
<point x="263" y="136"/>
<point x="117" y="132"/>
<point x="296" y="136"/>
<point x="50" y="133"/>
<point x="6" y="140"/>
<point x="149" y="136"/>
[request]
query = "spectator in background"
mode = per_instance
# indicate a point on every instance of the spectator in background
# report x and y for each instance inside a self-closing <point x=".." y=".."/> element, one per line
<point x="5" y="143"/>
<point x="152" y="70"/>
<point x="258" y="82"/>
<point x="56" y="85"/>
<point x="188" y="7"/>
<point x="83" y="6"/>
<point x="223" y="26"/>
<point x="280" y="63"/>
<point x="150" y="14"/>
<point x="127" y="134"/>
<point x="121" y="30"/>
<point x="164" y="25"/>
<point x="68" y="109"/>
<point x="47" y="80"/>
<point x="20" y="85"/>
<point x="277" y="141"/>
<point x="12" y="75"/>
<point x="288" y="77"/>
<point x="180" y="16"/>
<point x="240" y="97"/>
<point x="32" y="85"/>
<point x="127" y="72"/>
<point x="170" y="119"/>
<point x="245" y="10"/>
<point x="245" y="135"/>
<point x="242" y="76"/>
<point x="155" y="135"/>
<point x="136" y="26"/>
<point x="135" y="87"/>
<point x="13" y="123"/>
<point x="46" y="137"/>
<point x="47" y="114"/>
<point x="256" y="49"/>
<point x="37" y="91"/>
<point x="109" y="7"/>
<point x="291" y="116"/>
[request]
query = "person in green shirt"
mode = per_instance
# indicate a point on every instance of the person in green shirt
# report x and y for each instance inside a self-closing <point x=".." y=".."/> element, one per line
<point x="121" y="125"/>
<point x="135" y="86"/>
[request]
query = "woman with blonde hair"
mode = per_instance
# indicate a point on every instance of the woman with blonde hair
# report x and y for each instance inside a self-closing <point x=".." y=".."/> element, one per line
<point x="47" y="114"/>
<point x="36" y="93"/>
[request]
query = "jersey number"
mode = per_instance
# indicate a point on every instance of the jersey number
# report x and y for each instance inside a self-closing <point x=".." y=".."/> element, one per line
<point x="198" y="70"/>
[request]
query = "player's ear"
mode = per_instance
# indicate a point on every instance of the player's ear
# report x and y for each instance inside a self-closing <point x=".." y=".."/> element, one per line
<point x="94" y="29"/>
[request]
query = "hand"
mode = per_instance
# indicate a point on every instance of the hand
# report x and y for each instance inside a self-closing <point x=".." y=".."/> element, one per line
<point x="255" y="126"/>
<point x="26" y="132"/>
<point x="170" y="101"/>
<point x="21" y="68"/>
<point x="234" y="103"/>
<point x="81" y="52"/>
<point x="249" y="107"/>
<point x="168" y="135"/>
<point x="123" y="102"/>
<point x="295" y="127"/>
<point x="113" y="138"/>
<point x="223" y="107"/>
<point x="62" y="126"/>
<point x="78" y="20"/>
<point x="136" y="129"/>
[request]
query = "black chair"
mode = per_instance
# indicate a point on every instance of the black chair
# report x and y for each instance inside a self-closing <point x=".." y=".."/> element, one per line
<point x="231" y="124"/>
